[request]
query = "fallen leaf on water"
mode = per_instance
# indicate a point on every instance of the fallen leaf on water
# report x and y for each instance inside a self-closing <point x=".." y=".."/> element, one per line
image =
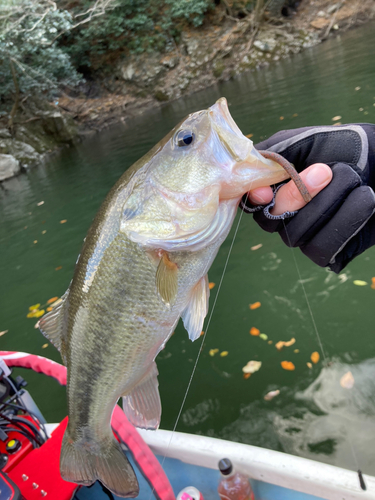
<point x="252" y="366"/>
<point x="281" y="118"/>
<point x="44" y="346"/>
<point x="36" y="312"/>
<point x="360" y="109"/>
<point x="309" y="365"/>
<point x="63" y="221"/>
<point x="295" y="115"/>
<point x="44" y="232"/>
<point x="58" y="268"/>
<point x="35" y="242"/>
<point x="270" y="342"/>
<point x="212" y="352"/>
<point x="255" y="305"/>
<point x="224" y="353"/>
<point x="254" y="331"/>
<point x="49" y="309"/>
<point x="337" y="124"/>
<point x="202" y="333"/>
<point x="40" y="203"/>
<point x="315" y="356"/>
<point x="290" y="342"/>
<point x="357" y="88"/>
<point x="270" y="395"/>
<point x="347" y="380"/>
<point x="263" y="336"/>
<point x="279" y="345"/>
<point x="360" y="283"/>
<point x="249" y="136"/>
<point x="287" y="365"/>
<point x="296" y="351"/>
<point x="35" y="306"/>
<point x="246" y="375"/>
<point x="58" y="301"/>
<point x="256" y="247"/>
<point x="211" y="285"/>
<point x="335" y="118"/>
<point x="3" y="332"/>
<point x="373" y="283"/>
<point x="49" y="301"/>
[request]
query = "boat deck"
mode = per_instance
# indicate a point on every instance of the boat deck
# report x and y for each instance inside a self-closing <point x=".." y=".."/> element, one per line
<point x="181" y="474"/>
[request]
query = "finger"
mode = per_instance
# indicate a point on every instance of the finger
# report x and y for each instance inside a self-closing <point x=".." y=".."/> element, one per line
<point x="288" y="198"/>
<point x="260" y="196"/>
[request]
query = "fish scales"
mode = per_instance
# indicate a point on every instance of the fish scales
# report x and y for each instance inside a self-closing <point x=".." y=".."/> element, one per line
<point x="144" y="265"/>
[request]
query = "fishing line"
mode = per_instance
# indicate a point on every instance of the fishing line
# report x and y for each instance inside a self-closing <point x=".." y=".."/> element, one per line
<point x="204" y="337"/>
<point x="359" y="472"/>
<point x="208" y="324"/>
<point x="305" y="294"/>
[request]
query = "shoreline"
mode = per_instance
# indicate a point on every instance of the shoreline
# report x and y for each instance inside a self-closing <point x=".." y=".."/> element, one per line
<point x="203" y="58"/>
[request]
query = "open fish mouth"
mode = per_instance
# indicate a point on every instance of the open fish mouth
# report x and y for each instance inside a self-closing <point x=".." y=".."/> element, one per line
<point x="238" y="146"/>
<point x="220" y="108"/>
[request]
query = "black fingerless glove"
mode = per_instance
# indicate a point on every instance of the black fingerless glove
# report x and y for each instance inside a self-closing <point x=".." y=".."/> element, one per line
<point x="338" y="224"/>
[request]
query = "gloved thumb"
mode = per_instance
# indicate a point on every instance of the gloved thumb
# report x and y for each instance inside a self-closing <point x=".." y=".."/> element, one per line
<point x="289" y="199"/>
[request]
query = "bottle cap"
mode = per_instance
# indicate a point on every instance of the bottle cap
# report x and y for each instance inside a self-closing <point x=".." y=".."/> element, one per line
<point x="225" y="466"/>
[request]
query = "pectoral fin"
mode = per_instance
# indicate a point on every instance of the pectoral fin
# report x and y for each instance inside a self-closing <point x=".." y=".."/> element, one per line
<point x="51" y="325"/>
<point x="166" y="279"/>
<point x="197" y="308"/>
<point x="142" y="406"/>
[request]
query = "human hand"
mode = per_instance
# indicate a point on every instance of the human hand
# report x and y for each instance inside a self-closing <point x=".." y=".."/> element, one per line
<point x="337" y="225"/>
<point x="288" y="198"/>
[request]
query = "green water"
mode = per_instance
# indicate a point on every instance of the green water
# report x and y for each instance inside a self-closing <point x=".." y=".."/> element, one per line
<point x="313" y="416"/>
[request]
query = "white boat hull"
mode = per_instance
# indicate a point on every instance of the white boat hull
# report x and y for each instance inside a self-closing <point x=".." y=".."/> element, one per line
<point x="307" y="477"/>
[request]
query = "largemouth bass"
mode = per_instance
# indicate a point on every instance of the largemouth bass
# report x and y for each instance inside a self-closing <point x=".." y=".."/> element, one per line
<point x="144" y="265"/>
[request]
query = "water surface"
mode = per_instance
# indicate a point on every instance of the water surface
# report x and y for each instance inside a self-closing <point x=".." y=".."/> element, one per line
<point x="313" y="416"/>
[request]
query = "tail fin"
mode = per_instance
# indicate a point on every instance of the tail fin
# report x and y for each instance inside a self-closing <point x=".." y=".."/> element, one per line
<point x="103" y="461"/>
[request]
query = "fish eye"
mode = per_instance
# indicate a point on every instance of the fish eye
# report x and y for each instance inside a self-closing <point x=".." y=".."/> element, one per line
<point x="184" y="138"/>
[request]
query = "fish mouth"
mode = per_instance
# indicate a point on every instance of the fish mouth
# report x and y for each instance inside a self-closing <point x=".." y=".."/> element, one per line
<point x="249" y="168"/>
<point x="220" y="109"/>
<point x="228" y="132"/>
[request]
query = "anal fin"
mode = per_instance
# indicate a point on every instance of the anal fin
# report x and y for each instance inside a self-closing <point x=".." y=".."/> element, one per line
<point x="197" y="308"/>
<point x="166" y="279"/>
<point x="142" y="406"/>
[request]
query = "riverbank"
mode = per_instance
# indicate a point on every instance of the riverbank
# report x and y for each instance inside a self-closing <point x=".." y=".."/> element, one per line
<point x="206" y="55"/>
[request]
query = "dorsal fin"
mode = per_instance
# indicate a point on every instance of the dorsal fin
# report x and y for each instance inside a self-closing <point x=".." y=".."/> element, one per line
<point x="51" y="325"/>
<point x="166" y="279"/>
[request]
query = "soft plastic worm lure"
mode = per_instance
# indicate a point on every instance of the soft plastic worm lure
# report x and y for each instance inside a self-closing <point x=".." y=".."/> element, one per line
<point x="291" y="171"/>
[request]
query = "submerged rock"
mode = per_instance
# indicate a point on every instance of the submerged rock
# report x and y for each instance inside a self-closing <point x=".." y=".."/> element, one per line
<point x="9" y="167"/>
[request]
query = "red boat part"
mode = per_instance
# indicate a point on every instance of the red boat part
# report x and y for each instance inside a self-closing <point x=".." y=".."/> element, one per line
<point x="38" y="475"/>
<point x="21" y="447"/>
<point x="143" y="456"/>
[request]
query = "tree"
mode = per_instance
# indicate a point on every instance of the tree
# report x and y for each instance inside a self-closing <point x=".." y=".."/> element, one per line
<point x="31" y="60"/>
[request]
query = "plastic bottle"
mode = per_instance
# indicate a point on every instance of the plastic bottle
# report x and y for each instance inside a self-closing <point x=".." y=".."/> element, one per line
<point x="233" y="485"/>
<point x="190" y="493"/>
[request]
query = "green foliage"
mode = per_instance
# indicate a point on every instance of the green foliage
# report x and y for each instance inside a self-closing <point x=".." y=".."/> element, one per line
<point x="27" y="32"/>
<point x="133" y="26"/>
<point x="192" y="10"/>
